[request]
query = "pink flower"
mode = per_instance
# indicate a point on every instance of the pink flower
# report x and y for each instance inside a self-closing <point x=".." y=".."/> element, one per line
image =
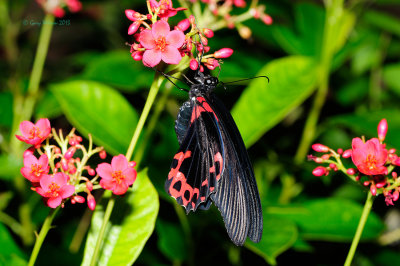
<point x="161" y="44"/>
<point x="34" y="134"/>
<point x="35" y="169"/>
<point x="117" y="176"/>
<point x="55" y="189"/>
<point x="164" y="8"/>
<point x="369" y="157"/>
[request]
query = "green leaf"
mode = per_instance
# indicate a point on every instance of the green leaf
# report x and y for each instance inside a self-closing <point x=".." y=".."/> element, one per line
<point x="10" y="166"/>
<point x="131" y="224"/>
<point x="10" y="253"/>
<point x="332" y="219"/>
<point x="48" y="106"/>
<point x="365" y="124"/>
<point x="6" y="110"/>
<point x="383" y="21"/>
<point x="171" y="241"/>
<point x="5" y="198"/>
<point x="96" y="109"/>
<point x="117" y="68"/>
<point x="279" y="234"/>
<point x="262" y="105"/>
<point x="391" y="74"/>
<point x="352" y="92"/>
<point x="303" y="41"/>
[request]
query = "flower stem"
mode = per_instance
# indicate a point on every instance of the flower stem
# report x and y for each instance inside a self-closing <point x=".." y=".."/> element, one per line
<point x="360" y="228"/>
<point x="146" y="110"/>
<point x="102" y="231"/>
<point x="42" y="235"/>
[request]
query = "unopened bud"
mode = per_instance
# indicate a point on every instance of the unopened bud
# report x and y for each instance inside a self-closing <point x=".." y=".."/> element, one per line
<point x="193" y="64"/>
<point x="183" y="24"/>
<point x="223" y="53"/>
<point x="244" y="32"/>
<point x="79" y="199"/>
<point x="89" y="185"/>
<point x="395" y="195"/>
<point x="347" y="154"/>
<point x="133" y="27"/>
<point x="70" y="152"/>
<point x="351" y="171"/>
<point x="267" y="19"/>
<point x="382" y="130"/>
<point x="208" y="33"/>
<point x="372" y="188"/>
<point x="132" y="15"/>
<point x="319" y="171"/>
<point x="103" y="154"/>
<point x="319" y="148"/>
<point x="91" y="202"/>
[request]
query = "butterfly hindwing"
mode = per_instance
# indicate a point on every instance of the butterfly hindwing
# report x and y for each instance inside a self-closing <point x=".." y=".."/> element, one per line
<point x="197" y="166"/>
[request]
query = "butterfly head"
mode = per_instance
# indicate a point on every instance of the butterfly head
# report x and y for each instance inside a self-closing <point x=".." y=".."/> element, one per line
<point x="205" y="83"/>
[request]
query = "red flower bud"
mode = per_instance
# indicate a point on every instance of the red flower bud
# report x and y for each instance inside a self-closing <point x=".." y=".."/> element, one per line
<point x="382" y="129"/>
<point x="319" y="148"/>
<point x="132" y="15"/>
<point x="132" y="164"/>
<point x="192" y="19"/>
<point x="89" y="185"/>
<point x="267" y="19"/>
<point x="91" y="171"/>
<point x="320" y="171"/>
<point x="103" y="154"/>
<point x="372" y="188"/>
<point x="91" y="202"/>
<point x="184" y="24"/>
<point x="340" y="151"/>
<point x="346" y="154"/>
<point x="79" y="199"/>
<point x="223" y="53"/>
<point x="351" y="171"/>
<point x="70" y="152"/>
<point x="208" y="33"/>
<point x="133" y="27"/>
<point x="29" y="151"/>
<point x="193" y="64"/>
<point x="395" y="195"/>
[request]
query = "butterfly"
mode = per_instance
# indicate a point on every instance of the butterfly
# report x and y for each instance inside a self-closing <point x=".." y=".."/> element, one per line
<point x="212" y="164"/>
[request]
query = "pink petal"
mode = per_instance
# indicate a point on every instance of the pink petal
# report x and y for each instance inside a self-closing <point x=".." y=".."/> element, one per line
<point x="60" y="179"/>
<point x="120" y="189"/>
<point x="29" y="160"/>
<point x="40" y="191"/>
<point x="43" y="161"/>
<point x="171" y="55"/>
<point x="175" y="38"/>
<point x="119" y="163"/>
<point x="54" y="202"/>
<point x="152" y="57"/>
<point x="26" y="172"/>
<point x="44" y="126"/>
<point x="357" y="143"/>
<point x="21" y="138"/>
<point x="104" y="170"/>
<point x="130" y="176"/>
<point x="67" y="191"/>
<point x="146" y="39"/>
<point x="45" y="181"/>
<point x="107" y="184"/>
<point x="25" y="127"/>
<point x="160" y="29"/>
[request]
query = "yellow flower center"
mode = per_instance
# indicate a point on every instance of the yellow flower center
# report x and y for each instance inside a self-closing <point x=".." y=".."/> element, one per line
<point x="36" y="169"/>
<point x="54" y="190"/>
<point x="161" y="43"/>
<point x="118" y="176"/>
<point x="371" y="162"/>
<point x="34" y="133"/>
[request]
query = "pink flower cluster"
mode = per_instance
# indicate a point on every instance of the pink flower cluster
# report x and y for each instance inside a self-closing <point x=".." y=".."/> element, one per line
<point x="156" y="42"/>
<point x="374" y="164"/>
<point x="56" y="7"/>
<point x="58" y="175"/>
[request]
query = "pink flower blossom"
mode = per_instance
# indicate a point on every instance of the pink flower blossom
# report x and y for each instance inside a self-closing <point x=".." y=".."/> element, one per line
<point x="34" y="134"/>
<point x="35" y="169"/>
<point x="164" y="8"/>
<point x="55" y="189"/>
<point x="117" y="176"/>
<point x="369" y="157"/>
<point x="161" y="44"/>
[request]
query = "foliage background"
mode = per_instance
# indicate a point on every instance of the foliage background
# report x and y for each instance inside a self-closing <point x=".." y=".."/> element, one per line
<point x="90" y="82"/>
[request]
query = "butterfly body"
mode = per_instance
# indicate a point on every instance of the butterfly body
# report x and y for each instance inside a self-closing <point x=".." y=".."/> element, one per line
<point x="212" y="164"/>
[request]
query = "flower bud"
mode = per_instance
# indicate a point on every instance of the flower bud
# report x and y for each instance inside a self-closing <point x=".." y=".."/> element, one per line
<point x="89" y="185"/>
<point x="183" y="24"/>
<point x="351" y="171"/>
<point x="64" y="164"/>
<point x="320" y="171"/>
<point x="193" y="64"/>
<point x="208" y="33"/>
<point x="70" y="152"/>
<point x="267" y="19"/>
<point x="381" y="184"/>
<point x="103" y="154"/>
<point x="192" y="19"/>
<point x="29" y="151"/>
<point x="132" y="164"/>
<point x="132" y="15"/>
<point x="372" y="188"/>
<point x="78" y="199"/>
<point x="382" y="130"/>
<point x="347" y="153"/>
<point x="340" y="151"/>
<point x="133" y="27"/>
<point x="91" y="202"/>
<point x="91" y="171"/>
<point x="395" y="195"/>
<point x="223" y="53"/>
<point x="319" y="148"/>
<point x="244" y="32"/>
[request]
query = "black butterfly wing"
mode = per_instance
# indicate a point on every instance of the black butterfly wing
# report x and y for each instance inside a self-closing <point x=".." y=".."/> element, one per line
<point x="198" y="164"/>
<point x="237" y="195"/>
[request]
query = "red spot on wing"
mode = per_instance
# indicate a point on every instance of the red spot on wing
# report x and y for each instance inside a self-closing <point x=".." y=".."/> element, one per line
<point x="203" y="106"/>
<point x="180" y="156"/>
<point x="218" y="160"/>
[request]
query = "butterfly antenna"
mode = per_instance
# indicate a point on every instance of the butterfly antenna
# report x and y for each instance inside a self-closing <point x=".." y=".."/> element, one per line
<point x="169" y="78"/>
<point x="239" y="80"/>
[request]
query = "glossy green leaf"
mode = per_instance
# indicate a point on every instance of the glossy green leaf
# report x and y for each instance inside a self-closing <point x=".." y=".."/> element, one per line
<point x="332" y="219"/>
<point x="10" y="253"/>
<point x="48" y="106"/>
<point x="279" y="234"/>
<point x="10" y="166"/>
<point x="117" y="68"/>
<point x="171" y="241"/>
<point x="96" y="109"/>
<point x="365" y="124"/>
<point x="262" y="105"/>
<point x="383" y="21"/>
<point x="131" y="224"/>
<point x="302" y="41"/>
<point x="391" y="74"/>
